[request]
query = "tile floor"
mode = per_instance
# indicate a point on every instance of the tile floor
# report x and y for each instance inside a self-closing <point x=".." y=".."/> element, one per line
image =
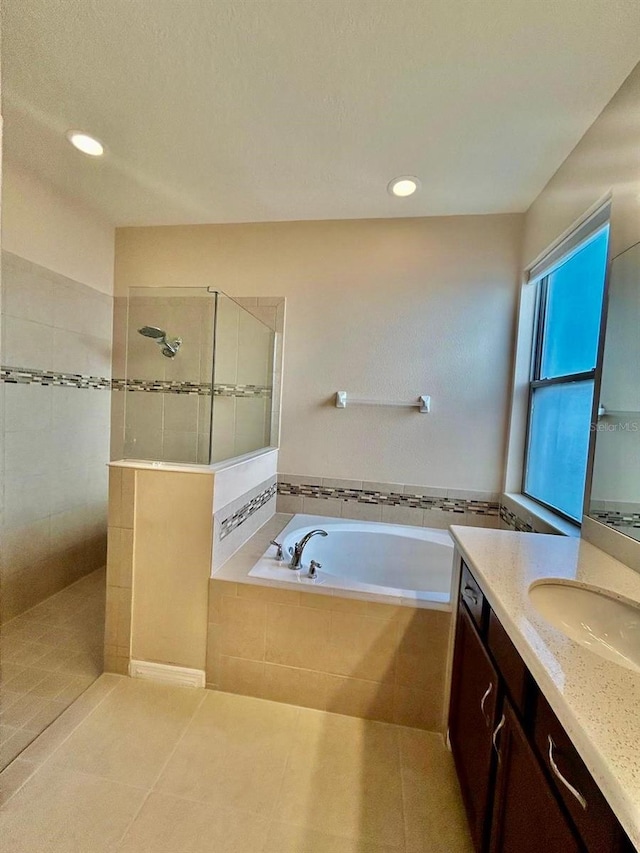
<point x="137" y="767"/>
<point x="48" y="657"/>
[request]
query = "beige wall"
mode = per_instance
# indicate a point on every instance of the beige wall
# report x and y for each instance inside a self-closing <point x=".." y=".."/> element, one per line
<point x="43" y="225"/>
<point x="379" y="308"/>
<point x="607" y="159"/>
<point x="605" y="163"/>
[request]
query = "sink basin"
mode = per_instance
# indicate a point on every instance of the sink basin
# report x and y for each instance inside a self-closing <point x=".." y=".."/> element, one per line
<point x="607" y="626"/>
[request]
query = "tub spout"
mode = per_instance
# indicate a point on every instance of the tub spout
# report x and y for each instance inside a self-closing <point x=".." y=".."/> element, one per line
<point x="296" y="551"/>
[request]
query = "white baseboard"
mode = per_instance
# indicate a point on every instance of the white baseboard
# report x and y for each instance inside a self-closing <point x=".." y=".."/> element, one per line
<point x="166" y="673"/>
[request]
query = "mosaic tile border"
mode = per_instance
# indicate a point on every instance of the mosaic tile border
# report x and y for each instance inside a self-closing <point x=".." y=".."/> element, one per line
<point x="163" y="386"/>
<point x="245" y="512"/>
<point x="514" y="522"/>
<point x="614" y="518"/>
<point x="29" y="376"/>
<point x="366" y="496"/>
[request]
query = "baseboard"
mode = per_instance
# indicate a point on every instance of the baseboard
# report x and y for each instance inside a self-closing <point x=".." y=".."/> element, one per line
<point x="166" y="673"/>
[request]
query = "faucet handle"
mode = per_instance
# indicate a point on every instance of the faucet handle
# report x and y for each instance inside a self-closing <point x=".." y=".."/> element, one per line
<point x="313" y="569"/>
<point x="279" y="552"/>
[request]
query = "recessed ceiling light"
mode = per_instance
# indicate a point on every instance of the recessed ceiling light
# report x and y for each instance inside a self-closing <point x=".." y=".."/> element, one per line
<point x="404" y="186"/>
<point x="85" y="143"/>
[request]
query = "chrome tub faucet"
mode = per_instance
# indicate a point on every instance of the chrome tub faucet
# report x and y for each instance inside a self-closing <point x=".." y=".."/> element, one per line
<point x="298" y="548"/>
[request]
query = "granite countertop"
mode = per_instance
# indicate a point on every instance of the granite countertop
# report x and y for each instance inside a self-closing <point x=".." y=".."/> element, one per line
<point x="597" y="701"/>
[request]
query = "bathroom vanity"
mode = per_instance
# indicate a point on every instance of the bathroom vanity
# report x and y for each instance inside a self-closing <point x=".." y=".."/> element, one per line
<point x="543" y="731"/>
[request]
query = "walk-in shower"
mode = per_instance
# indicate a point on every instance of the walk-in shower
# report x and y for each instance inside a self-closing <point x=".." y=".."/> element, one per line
<point x="211" y="398"/>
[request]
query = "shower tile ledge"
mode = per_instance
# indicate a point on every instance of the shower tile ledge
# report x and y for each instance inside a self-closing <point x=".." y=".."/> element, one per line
<point x="189" y="468"/>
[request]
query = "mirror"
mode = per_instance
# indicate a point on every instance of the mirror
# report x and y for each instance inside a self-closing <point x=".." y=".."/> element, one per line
<point x="615" y="486"/>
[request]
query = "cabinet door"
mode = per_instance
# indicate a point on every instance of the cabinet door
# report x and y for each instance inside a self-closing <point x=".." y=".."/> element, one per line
<point x="527" y="817"/>
<point x="471" y="722"/>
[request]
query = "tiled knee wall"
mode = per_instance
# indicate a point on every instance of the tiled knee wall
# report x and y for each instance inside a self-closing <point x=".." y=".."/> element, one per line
<point x="361" y="658"/>
<point x="117" y="629"/>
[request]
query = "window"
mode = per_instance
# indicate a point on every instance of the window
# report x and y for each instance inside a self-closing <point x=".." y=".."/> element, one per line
<point x="564" y="360"/>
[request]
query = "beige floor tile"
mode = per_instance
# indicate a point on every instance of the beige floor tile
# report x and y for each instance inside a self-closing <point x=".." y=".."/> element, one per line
<point x="171" y="825"/>
<point x="233" y="754"/>
<point x="434" y="815"/>
<point x="60" y="729"/>
<point x="12" y="747"/>
<point x="13" y="777"/>
<point x="343" y="777"/>
<point x="132" y="732"/>
<point x="60" y="810"/>
<point x="286" y="838"/>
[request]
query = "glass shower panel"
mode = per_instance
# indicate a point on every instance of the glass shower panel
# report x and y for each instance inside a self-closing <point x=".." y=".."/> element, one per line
<point x="243" y="381"/>
<point x="168" y="385"/>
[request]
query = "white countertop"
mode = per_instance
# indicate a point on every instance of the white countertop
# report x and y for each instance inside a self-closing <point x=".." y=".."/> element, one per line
<point x="598" y="702"/>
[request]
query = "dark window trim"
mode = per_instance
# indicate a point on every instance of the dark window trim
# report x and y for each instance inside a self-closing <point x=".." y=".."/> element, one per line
<point x="601" y="222"/>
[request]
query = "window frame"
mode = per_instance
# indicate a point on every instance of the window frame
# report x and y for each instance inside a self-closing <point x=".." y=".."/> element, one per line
<point x="593" y="375"/>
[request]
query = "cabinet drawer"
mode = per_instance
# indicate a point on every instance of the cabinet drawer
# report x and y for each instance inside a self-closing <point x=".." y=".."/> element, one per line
<point x="472" y="596"/>
<point x="510" y="664"/>
<point x="596" y="823"/>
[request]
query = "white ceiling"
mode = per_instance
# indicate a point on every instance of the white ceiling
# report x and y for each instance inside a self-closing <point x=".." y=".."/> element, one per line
<point x="258" y="110"/>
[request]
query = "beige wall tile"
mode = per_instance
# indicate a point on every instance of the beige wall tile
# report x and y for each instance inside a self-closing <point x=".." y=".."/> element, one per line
<point x="243" y="628"/>
<point x="357" y="698"/>
<point x="293" y="637"/>
<point x="115" y="497"/>
<point x="362" y="647"/>
<point x="172" y="564"/>
<point x="418" y="708"/>
<point x="334" y="603"/>
<point x="303" y="687"/>
<point x="330" y="507"/>
<point x="257" y="592"/>
<point x="127" y="497"/>
<point x="289" y="503"/>
<point x="402" y="515"/>
<point x="361" y="511"/>
<point x="237" y="675"/>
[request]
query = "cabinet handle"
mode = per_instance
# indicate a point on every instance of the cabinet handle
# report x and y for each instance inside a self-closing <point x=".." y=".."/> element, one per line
<point x="558" y="775"/>
<point x="494" y="737"/>
<point x="469" y="592"/>
<point x="483" y="700"/>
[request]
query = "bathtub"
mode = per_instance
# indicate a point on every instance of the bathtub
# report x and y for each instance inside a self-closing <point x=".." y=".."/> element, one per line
<point x="362" y="559"/>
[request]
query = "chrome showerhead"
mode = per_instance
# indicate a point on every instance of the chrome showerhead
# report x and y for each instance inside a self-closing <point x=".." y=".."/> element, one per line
<point x="152" y="332"/>
<point x="169" y="347"/>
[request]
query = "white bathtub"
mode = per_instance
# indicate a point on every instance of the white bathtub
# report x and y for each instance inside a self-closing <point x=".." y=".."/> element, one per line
<point x="367" y="559"/>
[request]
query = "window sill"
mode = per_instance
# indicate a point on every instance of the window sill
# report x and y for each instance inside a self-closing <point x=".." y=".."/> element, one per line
<point x="542" y="520"/>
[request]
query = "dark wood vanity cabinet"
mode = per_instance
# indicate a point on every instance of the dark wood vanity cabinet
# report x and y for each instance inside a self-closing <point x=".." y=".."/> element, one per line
<point x="524" y="786"/>
<point x="472" y="721"/>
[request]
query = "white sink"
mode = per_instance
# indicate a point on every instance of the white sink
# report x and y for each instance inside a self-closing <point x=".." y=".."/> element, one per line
<point x="604" y="624"/>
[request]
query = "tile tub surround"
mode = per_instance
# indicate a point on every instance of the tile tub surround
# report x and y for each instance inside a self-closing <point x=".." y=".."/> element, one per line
<point x="361" y="658"/>
<point x="392" y="502"/>
<point x="237" y="521"/>
<point x="56" y="357"/>
<point x="166" y="769"/>
<point x="595" y="700"/>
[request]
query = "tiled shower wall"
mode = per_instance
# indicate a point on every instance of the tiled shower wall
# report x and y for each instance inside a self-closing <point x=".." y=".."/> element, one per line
<point x="165" y="413"/>
<point x="158" y="423"/>
<point x="56" y="358"/>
